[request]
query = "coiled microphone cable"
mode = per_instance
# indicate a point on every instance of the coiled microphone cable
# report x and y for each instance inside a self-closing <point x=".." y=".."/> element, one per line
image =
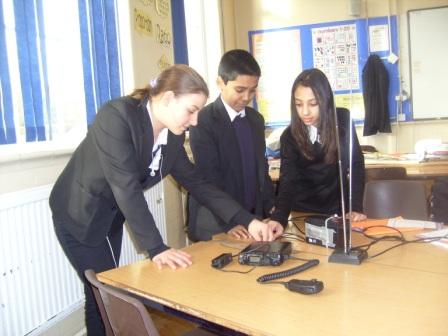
<point x="289" y="272"/>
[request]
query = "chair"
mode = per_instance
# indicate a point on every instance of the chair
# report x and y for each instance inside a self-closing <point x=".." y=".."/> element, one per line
<point x="386" y="173"/>
<point x="392" y="198"/>
<point x="95" y="284"/>
<point x="125" y="315"/>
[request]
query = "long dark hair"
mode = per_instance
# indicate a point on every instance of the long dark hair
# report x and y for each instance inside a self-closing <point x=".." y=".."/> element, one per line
<point x="318" y="83"/>
<point x="179" y="78"/>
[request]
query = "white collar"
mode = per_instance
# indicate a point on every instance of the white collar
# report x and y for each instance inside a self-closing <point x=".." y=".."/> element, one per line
<point x="232" y="113"/>
<point x="162" y="138"/>
<point x="313" y="134"/>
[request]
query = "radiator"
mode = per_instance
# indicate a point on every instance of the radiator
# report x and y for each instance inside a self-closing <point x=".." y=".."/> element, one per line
<point x="37" y="283"/>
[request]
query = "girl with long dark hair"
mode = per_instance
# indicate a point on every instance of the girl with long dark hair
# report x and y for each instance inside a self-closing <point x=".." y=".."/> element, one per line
<point x="309" y="175"/>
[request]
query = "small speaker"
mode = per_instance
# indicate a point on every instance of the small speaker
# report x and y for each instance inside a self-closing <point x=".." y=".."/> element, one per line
<point x="354" y="8"/>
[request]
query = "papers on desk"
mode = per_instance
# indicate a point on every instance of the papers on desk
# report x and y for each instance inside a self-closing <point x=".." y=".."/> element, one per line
<point x="434" y="234"/>
<point x="431" y="149"/>
<point x="380" y="158"/>
<point x="406" y="158"/>
<point x="388" y="226"/>
<point x="436" y="237"/>
<point x="409" y="223"/>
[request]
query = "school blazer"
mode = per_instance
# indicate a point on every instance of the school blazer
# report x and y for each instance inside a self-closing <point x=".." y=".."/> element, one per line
<point x="108" y="172"/>
<point x="216" y="153"/>
<point x="295" y="164"/>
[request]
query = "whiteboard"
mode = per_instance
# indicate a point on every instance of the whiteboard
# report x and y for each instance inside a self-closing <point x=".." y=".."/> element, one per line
<point x="428" y="31"/>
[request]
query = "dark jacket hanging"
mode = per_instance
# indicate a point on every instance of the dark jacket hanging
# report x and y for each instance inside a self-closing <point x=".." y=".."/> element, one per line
<point x="375" y="79"/>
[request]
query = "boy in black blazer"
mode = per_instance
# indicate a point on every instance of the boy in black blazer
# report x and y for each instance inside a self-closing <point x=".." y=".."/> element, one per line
<point x="228" y="146"/>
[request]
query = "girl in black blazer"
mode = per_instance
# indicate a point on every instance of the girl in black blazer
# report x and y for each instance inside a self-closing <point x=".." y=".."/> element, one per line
<point x="309" y="175"/>
<point x="133" y="143"/>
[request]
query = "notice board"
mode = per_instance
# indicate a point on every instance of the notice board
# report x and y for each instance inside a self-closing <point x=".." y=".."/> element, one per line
<point x="339" y="48"/>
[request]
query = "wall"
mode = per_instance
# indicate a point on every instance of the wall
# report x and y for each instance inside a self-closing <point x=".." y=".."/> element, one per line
<point x="239" y="17"/>
<point x="25" y="170"/>
<point x="146" y="57"/>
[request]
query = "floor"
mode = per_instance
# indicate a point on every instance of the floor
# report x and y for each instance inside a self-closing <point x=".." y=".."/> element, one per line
<point x="169" y="325"/>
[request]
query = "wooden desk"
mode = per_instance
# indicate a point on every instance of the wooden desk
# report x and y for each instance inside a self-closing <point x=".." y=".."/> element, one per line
<point x="428" y="169"/>
<point x="414" y="170"/>
<point x="402" y="292"/>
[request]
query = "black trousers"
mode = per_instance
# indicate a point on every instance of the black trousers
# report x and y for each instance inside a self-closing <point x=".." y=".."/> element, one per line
<point x="98" y="258"/>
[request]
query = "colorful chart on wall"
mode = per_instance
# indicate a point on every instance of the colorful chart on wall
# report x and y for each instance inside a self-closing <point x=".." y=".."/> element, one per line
<point x="340" y="49"/>
<point x="335" y="52"/>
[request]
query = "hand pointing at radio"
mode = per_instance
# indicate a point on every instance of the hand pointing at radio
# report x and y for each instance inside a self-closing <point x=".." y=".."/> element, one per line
<point x="265" y="231"/>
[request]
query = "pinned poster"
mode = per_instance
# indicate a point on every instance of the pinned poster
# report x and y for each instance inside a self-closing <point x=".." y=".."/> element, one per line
<point x="278" y="53"/>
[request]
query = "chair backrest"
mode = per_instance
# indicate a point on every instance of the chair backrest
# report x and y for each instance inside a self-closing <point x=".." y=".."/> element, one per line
<point x="386" y="173"/>
<point x="392" y="198"/>
<point x="125" y="314"/>
<point x="94" y="283"/>
<point x="439" y="200"/>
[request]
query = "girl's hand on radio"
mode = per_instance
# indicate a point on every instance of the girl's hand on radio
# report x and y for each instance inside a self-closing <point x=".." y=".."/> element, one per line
<point x="276" y="228"/>
<point x="260" y="231"/>
<point x="265" y="231"/>
<point x="239" y="232"/>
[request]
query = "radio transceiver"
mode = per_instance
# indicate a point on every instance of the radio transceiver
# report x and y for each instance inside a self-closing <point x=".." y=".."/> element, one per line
<point x="265" y="253"/>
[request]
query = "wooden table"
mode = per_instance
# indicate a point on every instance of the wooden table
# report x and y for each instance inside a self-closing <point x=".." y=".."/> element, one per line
<point x="402" y="292"/>
<point x="427" y="169"/>
<point x="414" y="170"/>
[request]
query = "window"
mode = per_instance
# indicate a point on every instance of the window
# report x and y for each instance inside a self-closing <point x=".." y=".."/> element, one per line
<point x="203" y="28"/>
<point x="61" y="63"/>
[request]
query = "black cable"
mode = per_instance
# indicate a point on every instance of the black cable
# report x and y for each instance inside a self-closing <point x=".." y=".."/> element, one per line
<point x="364" y="248"/>
<point x="418" y="241"/>
<point x="401" y="239"/>
<point x="297" y="217"/>
<point x="293" y="236"/>
<point x="289" y="272"/>
<point x="241" y="272"/>
<point x="258" y="247"/>
<point x="273" y="283"/>
<point x="299" y="228"/>
<point x="293" y="219"/>
<point x="297" y="258"/>
<point x="383" y="226"/>
<point x="305" y="216"/>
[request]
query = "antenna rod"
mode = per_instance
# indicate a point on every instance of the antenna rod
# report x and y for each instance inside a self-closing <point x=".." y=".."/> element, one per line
<point x="345" y="255"/>
<point x="341" y="184"/>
